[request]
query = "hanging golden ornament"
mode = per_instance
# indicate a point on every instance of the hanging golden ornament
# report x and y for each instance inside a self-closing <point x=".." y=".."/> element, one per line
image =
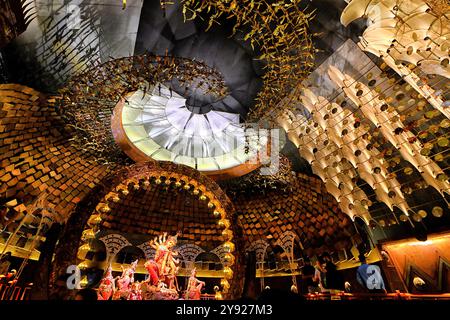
<point x="408" y="171"/>
<point x="400" y="96"/>
<point x="88" y="234"/>
<point x="403" y="218"/>
<point x="433" y="128"/>
<point x="426" y="150"/>
<point x="83" y="265"/>
<point x="423" y="134"/>
<point x="437" y="212"/>
<point x="406" y="189"/>
<point x="392" y="222"/>
<point x="416" y="217"/>
<point x="411" y="102"/>
<point x="94" y="220"/>
<point x="225" y="284"/>
<point x="445" y="123"/>
<point x="422" y="103"/>
<point x="422" y="213"/>
<point x="83" y="250"/>
<point x="439" y="157"/>
<point x="229" y="246"/>
<point x="442" y="142"/>
<point x="84" y="282"/>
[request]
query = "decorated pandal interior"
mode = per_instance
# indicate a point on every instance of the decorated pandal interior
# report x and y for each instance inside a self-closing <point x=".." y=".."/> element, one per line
<point x="224" y="150"/>
<point x="162" y="282"/>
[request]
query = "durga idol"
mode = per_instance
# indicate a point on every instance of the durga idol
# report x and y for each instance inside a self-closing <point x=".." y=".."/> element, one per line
<point x="164" y="267"/>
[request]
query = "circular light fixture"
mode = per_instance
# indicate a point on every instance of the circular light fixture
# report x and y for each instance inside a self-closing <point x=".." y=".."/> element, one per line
<point x="158" y="124"/>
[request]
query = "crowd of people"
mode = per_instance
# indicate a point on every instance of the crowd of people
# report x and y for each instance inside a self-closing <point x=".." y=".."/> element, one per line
<point x="320" y="277"/>
<point x="324" y="277"/>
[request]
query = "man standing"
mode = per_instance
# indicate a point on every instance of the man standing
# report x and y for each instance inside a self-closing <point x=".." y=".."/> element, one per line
<point x="310" y="278"/>
<point x="369" y="276"/>
<point x="333" y="278"/>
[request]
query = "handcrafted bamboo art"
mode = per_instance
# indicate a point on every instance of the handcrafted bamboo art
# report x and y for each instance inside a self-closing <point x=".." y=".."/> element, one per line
<point x="280" y="32"/>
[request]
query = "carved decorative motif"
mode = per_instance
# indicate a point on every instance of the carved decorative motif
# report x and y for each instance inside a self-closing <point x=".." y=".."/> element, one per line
<point x="114" y="243"/>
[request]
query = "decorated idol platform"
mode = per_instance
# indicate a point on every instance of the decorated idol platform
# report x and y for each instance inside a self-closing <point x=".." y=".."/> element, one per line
<point x="161" y="283"/>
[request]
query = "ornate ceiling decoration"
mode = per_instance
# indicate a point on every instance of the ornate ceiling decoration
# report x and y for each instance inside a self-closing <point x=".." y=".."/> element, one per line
<point x="412" y="37"/>
<point x="87" y="102"/>
<point x="280" y="31"/>
<point x="159" y="124"/>
<point x="281" y="180"/>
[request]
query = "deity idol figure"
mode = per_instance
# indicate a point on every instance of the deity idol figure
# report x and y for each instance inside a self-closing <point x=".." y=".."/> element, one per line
<point x="195" y="287"/>
<point x="107" y="286"/>
<point x="135" y="292"/>
<point x="124" y="282"/>
<point x="164" y="267"/>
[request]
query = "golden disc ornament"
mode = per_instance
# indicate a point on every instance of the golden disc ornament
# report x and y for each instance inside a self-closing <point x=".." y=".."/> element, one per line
<point x="408" y="171"/>
<point x="437" y="212"/>
<point x="442" y="142"/>
<point x="439" y="158"/>
<point x="445" y="123"/>
<point x="422" y="213"/>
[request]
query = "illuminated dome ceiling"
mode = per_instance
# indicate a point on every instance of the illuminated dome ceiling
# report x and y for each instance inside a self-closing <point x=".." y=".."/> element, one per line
<point x="159" y="124"/>
<point x="359" y="87"/>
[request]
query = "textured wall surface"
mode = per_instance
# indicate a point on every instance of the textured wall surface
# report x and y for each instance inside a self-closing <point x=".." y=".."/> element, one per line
<point x="307" y="209"/>
<point x="36" y="155"/>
